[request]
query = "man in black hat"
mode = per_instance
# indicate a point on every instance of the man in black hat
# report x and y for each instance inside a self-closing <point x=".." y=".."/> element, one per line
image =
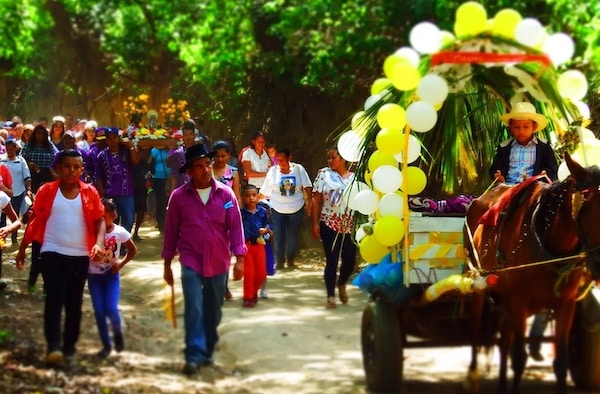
<point x="204" y="225"/>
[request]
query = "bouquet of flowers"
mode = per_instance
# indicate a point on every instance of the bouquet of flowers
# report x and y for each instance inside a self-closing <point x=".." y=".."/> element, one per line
<point x="135" y="108"/>
<point x="174" y="113"/>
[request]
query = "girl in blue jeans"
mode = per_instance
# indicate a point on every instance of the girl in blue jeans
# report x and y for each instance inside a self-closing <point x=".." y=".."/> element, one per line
<point x="104" y="280"/>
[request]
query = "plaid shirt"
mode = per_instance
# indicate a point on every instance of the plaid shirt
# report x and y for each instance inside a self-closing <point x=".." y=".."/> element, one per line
<point x="521" y="162"/>
<point x="40" y="155"/>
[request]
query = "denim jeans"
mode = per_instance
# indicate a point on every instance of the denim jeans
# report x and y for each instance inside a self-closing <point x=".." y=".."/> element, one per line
<point x="64" y="281"/>
<point x="105" y="290"/>
<point x="337" y="245"/>
<point x="286" y="228"/>
<point x="203" y="299"/>
<point x="126" y="210"/>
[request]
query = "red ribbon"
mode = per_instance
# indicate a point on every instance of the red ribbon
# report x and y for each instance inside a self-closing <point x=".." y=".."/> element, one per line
<point x="484" y="57"/>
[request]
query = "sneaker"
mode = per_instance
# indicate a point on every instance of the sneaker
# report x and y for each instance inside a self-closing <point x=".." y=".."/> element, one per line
<point x="31" y="288"/>
<point x="119" y="342"/>
<point x="3" y="285"/>
<point x="228" y="295"/>
<point x="105" y="352"/>
<point x="343" y="294"/>
<point x="136" y="238"/>
<point x="263" y="294"/>
<point x="330" y="303"/>
<point x="190" y="368"/>
<point x="54" y="358"/>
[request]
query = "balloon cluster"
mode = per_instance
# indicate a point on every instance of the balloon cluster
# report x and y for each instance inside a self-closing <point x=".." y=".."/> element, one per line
<point x="389" y="178"/>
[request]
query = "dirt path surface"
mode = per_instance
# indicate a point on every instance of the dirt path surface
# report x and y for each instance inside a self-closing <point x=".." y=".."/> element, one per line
<point x="288" y="344"/>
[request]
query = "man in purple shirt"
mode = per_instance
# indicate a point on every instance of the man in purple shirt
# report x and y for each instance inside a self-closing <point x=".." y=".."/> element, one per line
<point x="203" y="224"/>
<point x="114" y="174"/>
<point x="176" y="158"/>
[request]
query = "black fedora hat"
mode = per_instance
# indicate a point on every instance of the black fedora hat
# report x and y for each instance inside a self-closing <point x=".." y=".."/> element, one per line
<point x="194" y="152"/>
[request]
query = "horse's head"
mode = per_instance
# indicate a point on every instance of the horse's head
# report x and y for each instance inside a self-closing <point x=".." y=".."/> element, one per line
<point x="586" y="211"/>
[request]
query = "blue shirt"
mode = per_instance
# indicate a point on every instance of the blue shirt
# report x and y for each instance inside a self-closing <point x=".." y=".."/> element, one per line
<point x="159" y="156"/>
<point x="253" y="221"/>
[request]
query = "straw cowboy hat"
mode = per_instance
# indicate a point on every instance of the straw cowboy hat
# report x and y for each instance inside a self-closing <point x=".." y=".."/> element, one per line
<point x="523" y="111"/>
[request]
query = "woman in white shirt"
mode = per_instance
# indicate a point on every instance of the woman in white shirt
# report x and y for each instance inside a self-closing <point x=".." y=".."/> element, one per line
<point x="256" y="161"/>
<point x="289" y="189"/>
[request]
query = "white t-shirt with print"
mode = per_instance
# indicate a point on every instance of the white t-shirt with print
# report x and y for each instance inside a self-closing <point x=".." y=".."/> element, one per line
<point x="112" y="244"/>
<point x="334" y="212"/>
<point x="285" y="191"/>
<point x="258" y="164"/>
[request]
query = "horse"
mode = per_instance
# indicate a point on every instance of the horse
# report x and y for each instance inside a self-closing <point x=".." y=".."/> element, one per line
<point x="542" y="240"/>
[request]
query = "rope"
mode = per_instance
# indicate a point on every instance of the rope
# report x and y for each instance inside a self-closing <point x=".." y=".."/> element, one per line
<point x="585" y="292"/>
<point x="537" y="263"/>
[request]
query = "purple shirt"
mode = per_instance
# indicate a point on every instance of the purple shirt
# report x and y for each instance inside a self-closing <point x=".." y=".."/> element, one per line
<point x="175" y="160"/>
<point x="204" y="235"/>
<point x="116" y="172"/>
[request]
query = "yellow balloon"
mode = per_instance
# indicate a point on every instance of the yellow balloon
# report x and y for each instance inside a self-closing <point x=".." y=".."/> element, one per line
<point x="379" y="84"/>
<point x="471" y="19"/>
<point x="505" y="22"/>
<point x="405" y="76"/>
<point x="379" y="159"/>
<point x="391" y="62"/>
<point x="391" y="116"/>
<point x="388" y="230"/>
<point x="371" y="250"/>
<point x="389" y="141"/>
<point x="416" y="180"/>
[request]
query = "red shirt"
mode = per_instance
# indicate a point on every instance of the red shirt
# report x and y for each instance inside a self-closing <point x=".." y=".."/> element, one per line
<point x="5" y="177"/>
<point x="93" y="210"/>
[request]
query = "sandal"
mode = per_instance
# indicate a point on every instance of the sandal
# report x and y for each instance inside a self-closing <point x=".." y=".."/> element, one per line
<point x="330" y="303"/>
<point x="343" y="294"/>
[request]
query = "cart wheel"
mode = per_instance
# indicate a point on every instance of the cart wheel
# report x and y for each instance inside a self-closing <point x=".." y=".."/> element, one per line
<point x="382" y="347"/>
<point x="584" y="344"/>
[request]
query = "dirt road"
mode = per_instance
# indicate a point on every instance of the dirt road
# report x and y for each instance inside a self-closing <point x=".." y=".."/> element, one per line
<point x="288" y="344"/>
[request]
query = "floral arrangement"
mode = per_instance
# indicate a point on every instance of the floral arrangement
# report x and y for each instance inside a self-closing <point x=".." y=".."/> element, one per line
<point x="174" y="113"/>
<point x="151" y="126"/>
<point x="135" y="108"/>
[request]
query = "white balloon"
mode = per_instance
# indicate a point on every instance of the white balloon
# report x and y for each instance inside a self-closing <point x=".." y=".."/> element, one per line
<point x="559" y="47"/>
<point x="572" y="84"/>
<point x="360" y="234"/>
<point x="529" y="32"/>
<point x="563" y="171"/>
<point x="584" y="111"/>
<point x="392" y="204"/>
<point x="350" y="146"/>
<point x="414" y="151"/>
<point x="586" y="134"/>
<point x="409" y="54"/>
<point x="433" y="89"/>
<point x="371" y="100"/>
<point x="425" y="37"/>
<point x="387" y="179"/>
<point x="350" y="193"/>
<point x="421" y="116"/>
<point x="366" y="202"/>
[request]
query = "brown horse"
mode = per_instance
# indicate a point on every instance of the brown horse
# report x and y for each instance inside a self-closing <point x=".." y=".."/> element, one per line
<point x="538" y="238"/>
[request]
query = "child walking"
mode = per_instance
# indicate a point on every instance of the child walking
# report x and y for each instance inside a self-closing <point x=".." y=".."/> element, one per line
<point x="104" y="280"/>
<point x="256" y="228"/>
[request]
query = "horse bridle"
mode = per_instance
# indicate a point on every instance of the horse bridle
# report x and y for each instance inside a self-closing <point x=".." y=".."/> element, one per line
<point x="584" y="192"/>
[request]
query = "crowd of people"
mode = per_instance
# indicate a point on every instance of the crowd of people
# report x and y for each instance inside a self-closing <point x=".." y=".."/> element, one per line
<point x="210" y="203"/>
